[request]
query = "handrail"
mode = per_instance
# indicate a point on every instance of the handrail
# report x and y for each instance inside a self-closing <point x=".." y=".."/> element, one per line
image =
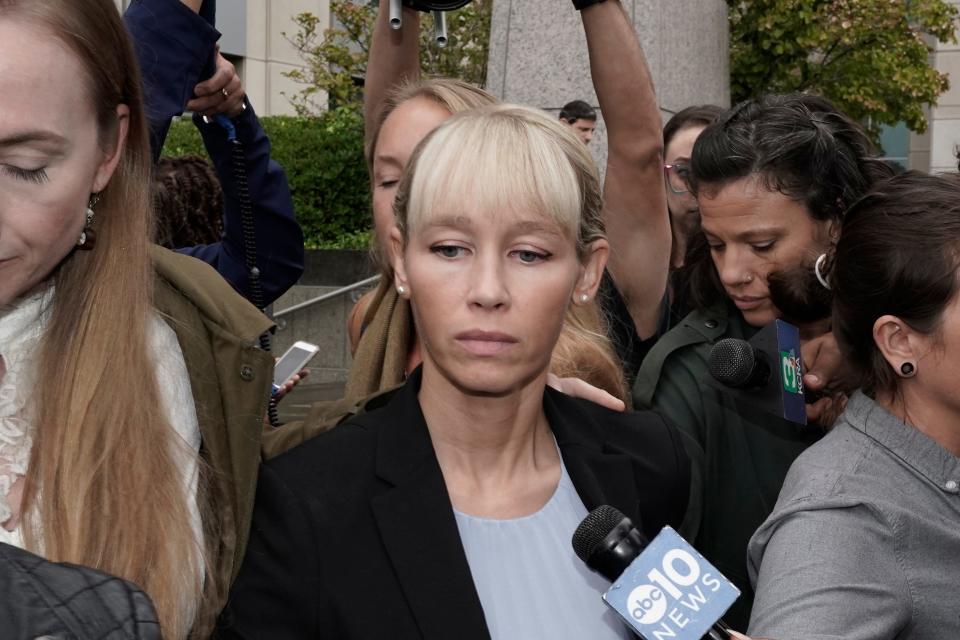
<point x="328" y="296"/>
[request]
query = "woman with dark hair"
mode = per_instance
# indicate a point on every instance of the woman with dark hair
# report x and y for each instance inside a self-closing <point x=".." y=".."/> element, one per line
<point x="679" y="135"/>
<point x="863" y="542"/>
<point x="772" y="177"/>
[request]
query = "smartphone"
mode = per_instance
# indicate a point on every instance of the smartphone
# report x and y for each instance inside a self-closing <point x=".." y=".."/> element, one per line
<point x="295" y="359"/>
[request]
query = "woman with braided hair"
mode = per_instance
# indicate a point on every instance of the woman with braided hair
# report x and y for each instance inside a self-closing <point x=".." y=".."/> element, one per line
<point x="188" y="202"/>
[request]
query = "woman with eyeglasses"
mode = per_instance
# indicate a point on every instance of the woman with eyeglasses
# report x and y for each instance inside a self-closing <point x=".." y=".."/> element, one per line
<point x="772" y="179"/>
<point x="679" y="135"/>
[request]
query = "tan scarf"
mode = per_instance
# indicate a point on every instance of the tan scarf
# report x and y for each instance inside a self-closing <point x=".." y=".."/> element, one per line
<point x="381" y="358"/>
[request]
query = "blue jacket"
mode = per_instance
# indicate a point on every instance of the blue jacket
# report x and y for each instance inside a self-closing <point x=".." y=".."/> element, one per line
<point x="175" y="48"/>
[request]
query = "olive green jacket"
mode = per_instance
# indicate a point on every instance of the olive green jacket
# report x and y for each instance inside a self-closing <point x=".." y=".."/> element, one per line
<point x="740" y="455"/>
<point x="230" y="378"/>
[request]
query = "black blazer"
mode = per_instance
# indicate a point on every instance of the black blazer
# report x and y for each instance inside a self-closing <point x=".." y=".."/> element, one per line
<point x="354" y="535"/>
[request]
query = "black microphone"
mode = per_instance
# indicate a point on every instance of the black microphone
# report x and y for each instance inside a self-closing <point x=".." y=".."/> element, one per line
<point x="738" y="364"/>
<point x="608" y="543"/>
<point x="765" y="372"/>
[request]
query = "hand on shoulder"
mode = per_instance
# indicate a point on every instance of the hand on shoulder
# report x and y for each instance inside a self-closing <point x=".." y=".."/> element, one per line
<point x="580" y="389"/>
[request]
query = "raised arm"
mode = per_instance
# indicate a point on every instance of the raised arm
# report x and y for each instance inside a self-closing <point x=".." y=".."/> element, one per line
<point x="278" y="237"/>
<point x="175" y="48"/>
<point x="175" y="43"/>
<point x="638" y="224"/>
<point x="394" y="58"/>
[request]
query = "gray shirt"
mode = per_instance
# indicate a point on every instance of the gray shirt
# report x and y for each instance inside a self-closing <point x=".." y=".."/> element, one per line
<point x="530" y="582"/>
<point x="864" y="542"/>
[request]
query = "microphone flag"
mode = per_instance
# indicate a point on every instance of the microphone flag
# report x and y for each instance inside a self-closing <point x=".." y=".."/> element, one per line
<point x="670" y="591"/>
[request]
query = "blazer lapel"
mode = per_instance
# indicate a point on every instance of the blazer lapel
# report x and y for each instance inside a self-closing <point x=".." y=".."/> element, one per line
<point x="601" y="475"/>
<point x="418" y="527"/>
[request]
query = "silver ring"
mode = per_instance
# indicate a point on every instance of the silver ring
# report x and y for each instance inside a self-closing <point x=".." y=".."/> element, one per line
<point x="816" y="269"/>
<point x="226" y="94"/>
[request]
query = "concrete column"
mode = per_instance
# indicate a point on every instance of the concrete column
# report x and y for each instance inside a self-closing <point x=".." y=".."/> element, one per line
<point x="538" y="54"/>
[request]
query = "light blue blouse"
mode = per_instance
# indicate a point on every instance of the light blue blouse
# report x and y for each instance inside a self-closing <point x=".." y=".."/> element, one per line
<point x="530" y="582"/>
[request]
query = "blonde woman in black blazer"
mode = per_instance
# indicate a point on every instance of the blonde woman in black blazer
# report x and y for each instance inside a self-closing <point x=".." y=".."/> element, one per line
<point x="358" y="532"/>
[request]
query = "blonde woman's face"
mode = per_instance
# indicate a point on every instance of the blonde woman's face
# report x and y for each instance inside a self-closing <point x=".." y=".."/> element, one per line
<point x="400" y="134"/>
<point x="489" y="291"/>
<point x="50" y="156"/>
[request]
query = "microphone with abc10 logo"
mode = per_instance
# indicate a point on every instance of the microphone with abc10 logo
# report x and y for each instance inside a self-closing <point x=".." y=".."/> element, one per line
<point x="662" y="589"/>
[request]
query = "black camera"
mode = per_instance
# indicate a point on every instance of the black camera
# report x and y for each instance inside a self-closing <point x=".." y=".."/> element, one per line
<point x="435" y="5"/>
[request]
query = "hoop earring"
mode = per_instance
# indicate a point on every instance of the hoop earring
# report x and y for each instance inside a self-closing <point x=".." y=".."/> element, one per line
<point x="817" y="268"/>
<point x="908" y="370"/>
<point x="88" y="238"/>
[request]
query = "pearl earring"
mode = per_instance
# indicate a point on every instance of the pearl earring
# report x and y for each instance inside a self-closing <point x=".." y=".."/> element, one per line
<point x="87" y="238"/>
<point x="584" y="297"/>
<point x="401" y="289"/>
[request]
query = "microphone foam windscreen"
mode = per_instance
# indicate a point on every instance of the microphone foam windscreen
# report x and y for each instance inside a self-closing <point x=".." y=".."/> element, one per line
<point x="594" y="528"/>
<point x="732" y="361"/>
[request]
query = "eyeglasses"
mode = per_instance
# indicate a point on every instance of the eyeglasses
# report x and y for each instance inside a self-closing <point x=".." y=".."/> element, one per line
<point x="678" y="177"/>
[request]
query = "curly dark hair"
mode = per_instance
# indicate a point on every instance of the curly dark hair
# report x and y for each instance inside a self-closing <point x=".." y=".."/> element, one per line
<point x="801" y="146"/>
<point x="188" y="202"/>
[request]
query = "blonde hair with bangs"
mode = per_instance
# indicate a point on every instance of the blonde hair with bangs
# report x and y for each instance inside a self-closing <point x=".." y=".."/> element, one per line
<point x="103" y="486"/>
<point x="456" y="96"/>
<point x="512" y="158"/>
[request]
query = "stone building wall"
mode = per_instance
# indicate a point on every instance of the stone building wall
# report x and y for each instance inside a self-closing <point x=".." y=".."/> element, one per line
<point x="538" y="54"/>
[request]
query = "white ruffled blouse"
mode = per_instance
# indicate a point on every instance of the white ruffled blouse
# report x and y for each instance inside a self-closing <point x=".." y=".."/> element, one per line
<point x="20" y="329"/>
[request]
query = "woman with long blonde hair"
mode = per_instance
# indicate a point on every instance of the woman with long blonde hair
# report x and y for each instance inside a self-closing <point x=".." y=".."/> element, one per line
<point x="117" y="450"/>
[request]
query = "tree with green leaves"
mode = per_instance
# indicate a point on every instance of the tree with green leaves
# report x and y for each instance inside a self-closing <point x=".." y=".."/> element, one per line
<point x="870" y="57"/>
<point x="335" y="59"/>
